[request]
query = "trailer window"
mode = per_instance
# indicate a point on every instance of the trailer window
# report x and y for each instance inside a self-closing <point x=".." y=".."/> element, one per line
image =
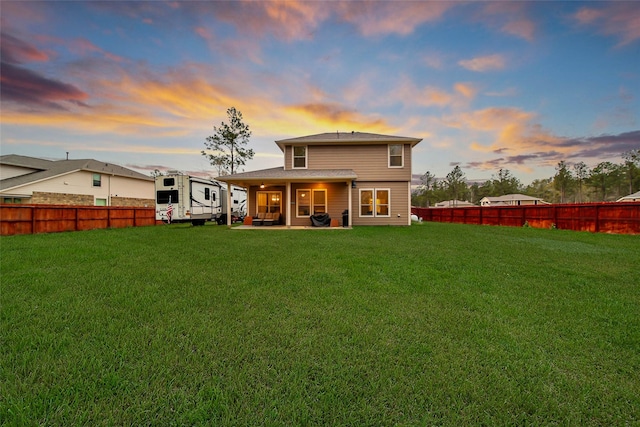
<point x="164" y="196"/>
<point x="168" y="182"/>
<point x="207" y="193"/>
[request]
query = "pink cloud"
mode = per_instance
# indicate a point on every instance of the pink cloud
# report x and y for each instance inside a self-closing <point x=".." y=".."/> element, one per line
<point x="510" y="18"/>
<point x="17" y="51"/>
<point x="618" y="19"/>
<point x="484" y="63"/>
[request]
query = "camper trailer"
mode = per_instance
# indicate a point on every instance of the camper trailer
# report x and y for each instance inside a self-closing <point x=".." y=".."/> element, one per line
<point x="184" y="198"/>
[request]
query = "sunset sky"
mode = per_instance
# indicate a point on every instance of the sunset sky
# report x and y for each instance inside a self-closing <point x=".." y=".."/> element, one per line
<point x="487" y="85"/>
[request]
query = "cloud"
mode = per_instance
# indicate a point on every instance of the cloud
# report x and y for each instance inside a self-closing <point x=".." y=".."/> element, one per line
<point x="374" y="18"/>
<point x="484" y="63"/>
<point x="29" y="88"/>
<point x="328" y="115"/>
<point x="618" y="19"/>
<point x="509" y="17"/>
<point x="16" y="51"/>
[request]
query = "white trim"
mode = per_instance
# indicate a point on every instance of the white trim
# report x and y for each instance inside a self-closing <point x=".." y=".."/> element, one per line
<point x="374" y="203"/>
<point x="389" y="156"/>
<point x="293" y="157"/>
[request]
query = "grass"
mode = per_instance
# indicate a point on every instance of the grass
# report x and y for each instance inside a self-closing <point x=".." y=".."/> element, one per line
<point x="434" y="324"/>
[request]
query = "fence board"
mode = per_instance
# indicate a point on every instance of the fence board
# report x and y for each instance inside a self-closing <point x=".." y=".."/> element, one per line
<point x="29" y="219"/>
<point x="619" y="218"/>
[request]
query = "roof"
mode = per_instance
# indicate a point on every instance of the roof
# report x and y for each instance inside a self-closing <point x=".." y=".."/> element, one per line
<point x="347" y="138"/>
<point x="281" y="175"/>
<point x="510" y="197"/>
<point x="633" y="196"/>
<point x="46" y="169"/>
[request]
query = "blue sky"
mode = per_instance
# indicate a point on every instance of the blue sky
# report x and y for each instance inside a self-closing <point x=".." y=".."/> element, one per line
<point x="487" y="85"/>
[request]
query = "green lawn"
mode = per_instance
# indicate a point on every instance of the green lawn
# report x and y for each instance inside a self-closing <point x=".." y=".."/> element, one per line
<point x="434" y="324"/>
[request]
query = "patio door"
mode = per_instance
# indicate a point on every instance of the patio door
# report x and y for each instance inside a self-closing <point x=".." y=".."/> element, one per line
<point x="269" y="201"/>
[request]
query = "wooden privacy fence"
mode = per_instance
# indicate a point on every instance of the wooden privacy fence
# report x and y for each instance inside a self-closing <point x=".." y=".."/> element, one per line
<point x="619" y="218"/>
<point x="30" y="219"/>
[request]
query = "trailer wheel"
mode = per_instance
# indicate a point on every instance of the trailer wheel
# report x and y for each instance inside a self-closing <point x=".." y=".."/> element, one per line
<point x="196" y="222"/>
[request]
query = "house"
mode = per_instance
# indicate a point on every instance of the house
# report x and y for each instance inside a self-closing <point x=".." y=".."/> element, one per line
<point x="368" y="175"/>
<point x="512" y="200"/>
<point x="635" y="197"/>
<point x="453" y="204"/>
<point x="72" y="182"/>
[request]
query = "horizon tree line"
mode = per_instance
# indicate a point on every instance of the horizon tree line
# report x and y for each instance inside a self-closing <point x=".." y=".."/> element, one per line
<point x="572" y="183"/>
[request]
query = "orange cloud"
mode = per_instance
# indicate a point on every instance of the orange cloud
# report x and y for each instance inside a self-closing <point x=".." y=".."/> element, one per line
<point x="484" y="63"/>
<point x="510" y="18"/>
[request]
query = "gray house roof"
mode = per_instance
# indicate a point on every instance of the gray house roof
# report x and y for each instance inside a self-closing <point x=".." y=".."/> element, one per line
<point x="46" y="169"/>
<point x="340" y="138"/>
<point x="631" y="197"/>
<point x="510" y="197"/>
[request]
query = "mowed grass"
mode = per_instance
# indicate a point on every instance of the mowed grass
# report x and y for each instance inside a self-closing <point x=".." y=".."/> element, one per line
<point x="434" y="324"/>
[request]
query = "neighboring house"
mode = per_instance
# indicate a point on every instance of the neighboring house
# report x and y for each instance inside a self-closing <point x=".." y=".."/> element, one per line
<point x="72" y="182"/>
<point x="453" y="204"/>
<point x="512" y="200"/>
<point x="367" y="174"/>
<point x="635" y="197"/>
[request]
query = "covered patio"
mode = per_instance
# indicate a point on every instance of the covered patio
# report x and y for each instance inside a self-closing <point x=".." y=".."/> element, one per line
<point x="295" y="195"/>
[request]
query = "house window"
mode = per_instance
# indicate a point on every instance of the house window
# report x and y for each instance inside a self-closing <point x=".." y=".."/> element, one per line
<point x="101" y="202"/>
<point x="269" y="201"/>
<point x="300" y="157"/>
<point x="310" y="202"/>
<point x="396" y="155"/>
<point x="375" y="202"/>
<point x="97" y="180"/>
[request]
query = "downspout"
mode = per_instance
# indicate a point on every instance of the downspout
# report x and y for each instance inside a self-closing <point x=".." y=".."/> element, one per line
<point x="228" y="205"/>
<point x="350" y="204"/>
<point x="288" y="220"/>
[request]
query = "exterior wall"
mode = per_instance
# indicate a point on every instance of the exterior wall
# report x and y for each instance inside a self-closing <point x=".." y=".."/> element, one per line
<point x="370" y="162"/>
<point x="77" y="188"/>
<point x="399" y="209"/>
<point x="337" y="200"/>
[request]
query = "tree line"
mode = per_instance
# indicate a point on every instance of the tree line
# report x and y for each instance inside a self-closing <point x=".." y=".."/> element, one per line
<point x="572" y="183"/>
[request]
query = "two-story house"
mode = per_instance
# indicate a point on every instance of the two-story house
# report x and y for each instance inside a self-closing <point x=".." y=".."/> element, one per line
<point x="367" y="174"/>
<point x="82" y="182"/>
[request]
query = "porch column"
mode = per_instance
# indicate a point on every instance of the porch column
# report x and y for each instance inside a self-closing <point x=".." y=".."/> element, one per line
<point x="228" y="205"/>
<point x="288" y="210"/>
<point x="350" y="203"/>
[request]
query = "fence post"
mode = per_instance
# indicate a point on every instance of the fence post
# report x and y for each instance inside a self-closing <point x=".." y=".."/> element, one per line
<point x="597" y="224"/>
<point x="33" y="220"/>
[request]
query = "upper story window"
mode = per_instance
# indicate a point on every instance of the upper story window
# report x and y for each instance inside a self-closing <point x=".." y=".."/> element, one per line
<point x="396" y="155"/>
<point x="97" y="180"/>
<point x="300" y="157"/>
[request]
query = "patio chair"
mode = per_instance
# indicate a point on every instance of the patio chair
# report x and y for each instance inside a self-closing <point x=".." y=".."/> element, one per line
<point x="259" y="218"/>
<point x="275" y="219"/>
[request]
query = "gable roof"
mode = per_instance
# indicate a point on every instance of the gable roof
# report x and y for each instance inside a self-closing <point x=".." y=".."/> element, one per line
<point x="46" y="169"/>
<point x="633" y="196"/>
<point x="347" y="138"/>
<point x="510" y="197"/>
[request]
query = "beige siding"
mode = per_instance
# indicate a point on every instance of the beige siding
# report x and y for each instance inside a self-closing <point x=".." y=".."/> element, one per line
<point x="370" y="162"/>
<point x="399" y="204"/>
<point x="337" y="200"/>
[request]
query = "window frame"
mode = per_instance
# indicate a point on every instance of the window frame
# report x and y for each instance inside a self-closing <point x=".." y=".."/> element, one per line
<point x="312" y="201"/>
<point x="96" y="182"/>
<point x="269" y="206"/>
<point x="401" y="155"/>
<point x="294" y="157"/>
<point x="374" y="203"/>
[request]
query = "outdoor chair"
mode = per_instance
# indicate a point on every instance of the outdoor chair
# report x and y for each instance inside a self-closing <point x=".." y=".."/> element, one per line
<point x="275" y="219"/>
<point x="259" y="219"/>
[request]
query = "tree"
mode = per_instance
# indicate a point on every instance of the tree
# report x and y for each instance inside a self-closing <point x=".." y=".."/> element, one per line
<point x="632" y="168"/>
<point x="427" y="182"/>
<point x="225" y="149"/>
<point x="601" y="178"/>
<point x="505" y="183"/>
<point x="581" y="173"/>
<point x="562" y="179"/>
<point x="456" y="185"/>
